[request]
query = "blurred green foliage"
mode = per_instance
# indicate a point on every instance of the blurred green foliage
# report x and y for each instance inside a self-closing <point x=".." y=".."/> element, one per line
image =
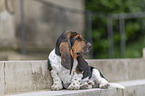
<point x="134" y="28"/>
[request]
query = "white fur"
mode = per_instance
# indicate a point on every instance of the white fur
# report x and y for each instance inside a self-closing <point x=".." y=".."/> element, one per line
<point x="56" y="81"/>
<point x="74" y="80"/>
<point x="103" y="83"/>
<point x="60" y="73"/>
<point x="115" y="85"/>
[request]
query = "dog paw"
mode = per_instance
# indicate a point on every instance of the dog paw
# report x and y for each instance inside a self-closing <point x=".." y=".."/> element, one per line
<point x="90" y="82"/>
<point x="84" y="86"/>
<point x="87" y="85"/>
<point x="74" y="86"/>
<point x="56" y="86"/>
<point x="104" y="85"/>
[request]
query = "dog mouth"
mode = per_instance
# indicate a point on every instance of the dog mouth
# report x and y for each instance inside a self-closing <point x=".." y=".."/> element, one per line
<point x="79" y="53"/>
<point x="85" y="52"/>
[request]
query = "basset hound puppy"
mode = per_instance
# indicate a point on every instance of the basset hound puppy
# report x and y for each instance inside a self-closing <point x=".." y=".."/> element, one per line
<point x="68" y="68"/>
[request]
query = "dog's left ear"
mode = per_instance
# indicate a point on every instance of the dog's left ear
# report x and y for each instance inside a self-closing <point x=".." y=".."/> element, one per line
<point x="82" y="63"/>
<point x="66" y="59"/>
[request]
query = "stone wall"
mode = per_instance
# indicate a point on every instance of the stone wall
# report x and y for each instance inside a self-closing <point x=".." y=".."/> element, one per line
<point x="7" y="31"/>
<point x="43" y="23"/>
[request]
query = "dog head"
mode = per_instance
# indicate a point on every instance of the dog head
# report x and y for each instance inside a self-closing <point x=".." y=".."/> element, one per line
<point x="71" y="45"/>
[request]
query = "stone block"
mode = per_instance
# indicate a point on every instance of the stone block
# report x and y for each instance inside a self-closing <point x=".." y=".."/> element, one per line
<point x="18" y="76"/>
<point x="26" y="76"/>
<point x="133" y="88"/>
<point x="136" y="69"/>
<point x="90" y="92"/>
<point x="108" y="92"/>
<point x="137" y="90"/>
<point x="2" y="78"/>
<point x="113" y="70"/>
<point x="40" y="75"/>
<point x="121" y="92"/>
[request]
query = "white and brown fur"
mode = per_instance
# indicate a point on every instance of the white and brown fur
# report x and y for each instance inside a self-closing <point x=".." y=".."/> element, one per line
<point x="68" y="68"/>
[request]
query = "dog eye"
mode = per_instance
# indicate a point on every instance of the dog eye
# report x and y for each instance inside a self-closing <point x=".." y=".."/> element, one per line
<point x="78" y="38"/>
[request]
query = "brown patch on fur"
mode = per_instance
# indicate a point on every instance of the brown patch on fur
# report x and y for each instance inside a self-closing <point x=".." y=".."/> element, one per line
<point x="65" y="55"/>
<point x="68" y="38"/>
<point x="78" y="70"/>
<point x="79" y="46"/>
<point x="64" y="49"/>
<point x="68" y="35"/>
<point x="73" y="54"/>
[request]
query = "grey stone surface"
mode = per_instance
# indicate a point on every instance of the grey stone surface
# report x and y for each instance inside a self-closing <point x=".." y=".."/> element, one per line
<point x="43" y="24"/>
<point x="113" y="70"/>
<point x="136" y="69"/>
<point x="2" y="82"/>
<point x="120" y="69"/>
<point x="47" y="23"/>
<point x="40" y="75"/>
<point x="18" y="76"/>
<point x="24" y="76"/>
<point x="133" y="88"/>
<point x="7" y="31"/>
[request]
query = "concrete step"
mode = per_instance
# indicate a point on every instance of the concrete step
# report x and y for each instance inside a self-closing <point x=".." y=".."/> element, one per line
<point x="120" y="69"/>
<point x="133" y="88"/>
<point x="24" y="76"/>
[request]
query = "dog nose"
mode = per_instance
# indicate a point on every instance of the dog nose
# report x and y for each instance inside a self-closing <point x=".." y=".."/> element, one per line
<point x="89" y="45"/>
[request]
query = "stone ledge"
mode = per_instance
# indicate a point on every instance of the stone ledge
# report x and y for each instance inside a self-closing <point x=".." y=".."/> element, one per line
<point x="120" y="69"/>
<point x="25" y="76"/>
<point x="133" y="88"/>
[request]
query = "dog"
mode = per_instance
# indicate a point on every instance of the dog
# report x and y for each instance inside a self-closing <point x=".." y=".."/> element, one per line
<point x="68" y="68"/>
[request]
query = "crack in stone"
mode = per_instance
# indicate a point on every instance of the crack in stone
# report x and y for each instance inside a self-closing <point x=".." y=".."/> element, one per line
<point x="4" y="74"/>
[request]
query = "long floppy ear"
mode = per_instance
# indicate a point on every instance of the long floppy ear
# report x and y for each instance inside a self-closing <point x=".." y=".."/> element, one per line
<point x="64" y="37"/>
<point x="66" y="58"/>
<point x="82" y="63"/>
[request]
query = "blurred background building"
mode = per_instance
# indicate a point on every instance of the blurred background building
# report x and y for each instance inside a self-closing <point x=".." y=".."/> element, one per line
<point x="44" y="21"/>
<point x="29" y="28"/>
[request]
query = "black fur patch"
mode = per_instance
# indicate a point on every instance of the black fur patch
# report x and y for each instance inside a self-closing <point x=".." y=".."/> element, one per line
<point x="72" y="39"/>
<point x="78" y="70"/>
<point x="88" y="72"/>
<point x="83" y="65"/>
<point x="49" y="65"/>
<point x="62" y="38"/>
<point x="101" y="75"/>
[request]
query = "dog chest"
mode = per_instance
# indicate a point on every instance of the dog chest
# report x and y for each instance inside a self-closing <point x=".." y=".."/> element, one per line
<point x="66" y="75"/>
<point x="63" y="73"/>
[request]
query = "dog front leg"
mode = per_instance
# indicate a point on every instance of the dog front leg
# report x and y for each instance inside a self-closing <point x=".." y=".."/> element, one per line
<point x="96" y="76"/>
<point x="75" y="82"/>
<point x="57" y="84"/>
